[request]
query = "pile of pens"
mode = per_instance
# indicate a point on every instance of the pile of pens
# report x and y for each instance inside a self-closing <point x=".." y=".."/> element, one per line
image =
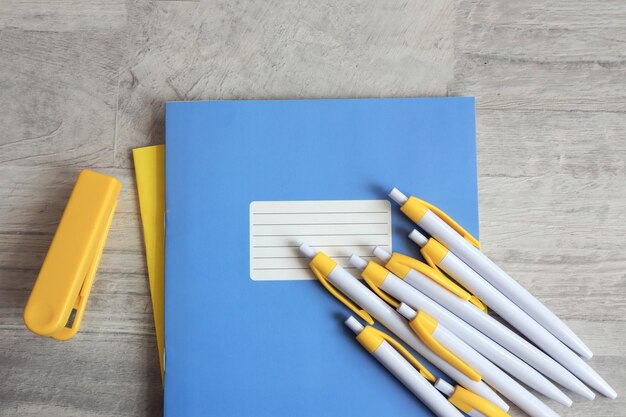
<point x="439" y="309"/>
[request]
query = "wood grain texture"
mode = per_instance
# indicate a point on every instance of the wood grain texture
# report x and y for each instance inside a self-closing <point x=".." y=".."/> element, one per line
<point x="293" y="49"/>
<point x="542" y="55"/>
<point x="83" y="82"/>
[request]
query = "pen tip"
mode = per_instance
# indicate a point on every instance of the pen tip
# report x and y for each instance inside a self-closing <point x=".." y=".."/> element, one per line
<point x="611" y="393"/>
<point x="583" y="350"/>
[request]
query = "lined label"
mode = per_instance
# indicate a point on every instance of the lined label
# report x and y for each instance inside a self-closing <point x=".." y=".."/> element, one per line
<point x="338" y="228"/>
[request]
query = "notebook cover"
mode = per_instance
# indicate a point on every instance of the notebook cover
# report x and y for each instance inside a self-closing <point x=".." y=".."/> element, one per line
<point x="150" y="173"/>
<point x="238" y="347"/>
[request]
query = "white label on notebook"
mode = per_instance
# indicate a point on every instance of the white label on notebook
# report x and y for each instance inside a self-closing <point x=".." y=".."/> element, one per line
<point x="339" y="228"/>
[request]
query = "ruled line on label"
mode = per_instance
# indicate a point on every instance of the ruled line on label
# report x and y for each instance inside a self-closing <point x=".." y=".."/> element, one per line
<point x="339" y="228"/>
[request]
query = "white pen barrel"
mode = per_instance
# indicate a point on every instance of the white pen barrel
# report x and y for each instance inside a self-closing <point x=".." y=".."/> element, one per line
<point x="515" y="316"/>
<point x="485" y="267"/>
<point x="414" y="381"/>
<point x="462" y="308"/>
<point x="461" y="349"/>
<point x="448" y="390"/>
<point x="467" y="277"/>
<point x="364" y="297"/>
<point x="493" y="375"/>
<point x="388" y="317"/>
<point x="402" y="291"/>
<point x="504" y="336"/>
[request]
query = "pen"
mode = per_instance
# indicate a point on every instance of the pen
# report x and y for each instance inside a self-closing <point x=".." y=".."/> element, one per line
<point x="435" y="253"/>
<point x="491" y="374"/>
<point x="421" y="323"/>
<point x="501" y="334"/>
<point x="437" y="224"/>
<point x="440" y="279"/>
<point x="402" y="266"/>
<point x="403" y="366"/>
<point x="468" y="402"/>
<point x="338" y="282"/>
<point x="490" y="327"/>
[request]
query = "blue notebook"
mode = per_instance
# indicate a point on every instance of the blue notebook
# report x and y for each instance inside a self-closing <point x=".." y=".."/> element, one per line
<point x="246" y="334"/>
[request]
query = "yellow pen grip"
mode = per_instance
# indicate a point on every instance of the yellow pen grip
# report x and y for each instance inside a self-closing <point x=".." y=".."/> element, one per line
<point x="447" y="283"/>
<point x="374" y="337"/>
<point x="424" y="326"/>
<point x="431" y="272"/>
<point x="457" y="227"/>
<point x="467" y="401"/>
<point x="358" y="311"/>
<point x="386" y="297"/>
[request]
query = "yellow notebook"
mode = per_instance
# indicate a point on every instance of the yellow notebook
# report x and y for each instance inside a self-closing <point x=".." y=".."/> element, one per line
<point x="150" y="173"/>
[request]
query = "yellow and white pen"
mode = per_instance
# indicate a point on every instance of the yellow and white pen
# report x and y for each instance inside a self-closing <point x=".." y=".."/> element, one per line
<point x="468" y="402"/>
<point x="491" y="374"/>
<point x="559" y="341"/>
<point x="440" y="226"/>
<point x="363" y="302"/>
<point x="439" y="256"/>
<point x="409" y="269"/>
<point x="433" y="334"/>
<point x="403" y="366"/>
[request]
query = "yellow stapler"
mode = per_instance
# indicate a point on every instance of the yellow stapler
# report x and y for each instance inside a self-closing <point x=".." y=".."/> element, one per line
<point x="57" y="302"/>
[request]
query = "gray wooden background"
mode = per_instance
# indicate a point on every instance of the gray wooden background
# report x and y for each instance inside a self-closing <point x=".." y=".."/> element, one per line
<point x="84" y="81"/>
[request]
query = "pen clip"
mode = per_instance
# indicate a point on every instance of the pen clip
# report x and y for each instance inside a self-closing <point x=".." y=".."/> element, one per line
<point x="424" y="326"/>
<point x="478" y="303"/>
<point x="467" y="401"/>
<point x="331" y="289"/>
<point x="392" y="301"/>
<point x="405" y="353"/>
<point x="451" y="285"/>
<point x="457" y="227"/>
<point x="434" y="273"/>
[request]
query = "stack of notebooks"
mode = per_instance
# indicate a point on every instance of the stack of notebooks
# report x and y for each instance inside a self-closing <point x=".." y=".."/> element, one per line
<point x="244" y="327"/>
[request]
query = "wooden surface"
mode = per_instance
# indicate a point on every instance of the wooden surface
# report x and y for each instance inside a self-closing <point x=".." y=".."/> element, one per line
<point x="84" y="81"/>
